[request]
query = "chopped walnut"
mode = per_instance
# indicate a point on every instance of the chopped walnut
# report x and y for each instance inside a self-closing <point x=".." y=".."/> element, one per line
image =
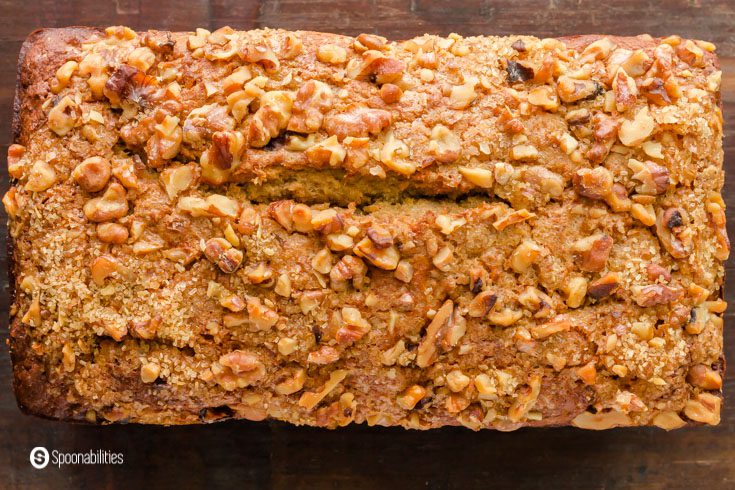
<point x="513" y="218"/>
<point x="332" y="54"/>
<point x="357" y="122"/>
<point x="593" y="252"/>
<point x="313" y="100"/>
<point x="480" y="177"/>
<point x="544" y="96"/>
<point x="588" y="373"/>
<point x="482" y="304"/>
<point x="604" y="286"/>
<point x="524" y="256"/>
<point x="438" y="327"/>
<point x="636" y="131"/>
<point x="404" y="271"/>
<point x="573" y="90"/>
<point x="576" y="289"/>
<point x="704" y="408"/>
<point x="215" y="205"/>
<point x="654" y="178"/>
<point x="526" y="399"/>
<point x="556" y="325"/>
<point x="103" y="267"/>
<point x="293" y="383"/>
<point x="112" y="205"/>
<point x="324" y="355"/>
<point x="383" y="257"/>
<point x="348" y="268"/>
<point x="594" y="183"/>
<point x="443" y="259"/>
<point x="221" y="252"/>
<point x="261" y="54"/>
<point x="704" y="377"/>
<point x="376" y="66"/>
<point x="601" y="420"/>
<point x="354" y="326"/>
<point x="41" y="177"/>
<point x="310" y="400"/>
<point x="444" y="145"/>
<point x="238" y="369"/>
<point x="327" y="152"/>
<point x="327" y="221"/>
<point x="149" y="372"/>
<point x="668" y="420"/>
<point x="395" y="154"/>
<point x="625" y="90"/>
<point x="64" y="116"/>
<point x="260" y="316"/>
<point x="411" y="397"/>
<point x="112" y="233"/>
<point x="272" y="117"/>
<point x="655" y="294"/>
<point x="672" y="232"/>
<point x="92" y="174"/>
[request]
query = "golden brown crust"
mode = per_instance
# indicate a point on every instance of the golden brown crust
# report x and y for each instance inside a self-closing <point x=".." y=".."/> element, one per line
<point x="519" y="229"/>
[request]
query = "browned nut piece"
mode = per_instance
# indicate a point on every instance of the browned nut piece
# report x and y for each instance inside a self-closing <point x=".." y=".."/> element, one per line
<point x="327" y="221"/>
<point x="281" y="211"/>
<point x="604" y="286"/>
<point x="625" y="90"/>
<point x="668" y="420"/>
<point x="221" y="252"/>
<point x="260" y="316"/>
<point x="301" y="215"/>
<point x="593" y="252"/>
<point x="385" y="258"/>
<point x="594" y="183"/>
<point x="704" y="408"/>
<point x="261" y="54"/>
<point x="112" y="205"/>
<point x="655" y="294"/>
<point x="390" y="93"/>
<point x="635" y="131"/>
<point x="41" y="177"/>
<point x="293" y="383"/>
<point x="444" y="144"/>
<point x="404" y="271"/>
<point x="64" y="116"/>
<point x="672" y="233"/>
<point x="576" y="289"/>
<point x="536" y="301"/>
<point x="369" y="41"/>
<point x="376" y="66"/>
<point x="481" y="177"/>
<point x="482" y="304"/>
<point x="573" y="90"/>
<point x="177" y="180"/>
<point x="149" y="372"/>
<point x="15" y="164"/>
<point x="524" y="256"/>
<point x="103" y="267"/>
<point x="429" y="347"/>
<point x="359" y="122"/>
<point x="654" y="178"/>
<point x="526" y="399"/>
<point x="238" y="369"/>
<point x="704" y="377"/>
<point x="145" y="329"/>
<point x="332" y="54"/>
<point x="558" y="324"/>
<point x="112" y="233"/>
<point x="543" y="96"/>
<point x="92" y="174"/>
<point x="313" y="100"/>
<point x="443" y="259"/>
<point x="588" y="373"/>
<point x="349" y="268"/>
<point x="354" y="326"/>
<point x="411" y="397"/>
<point x="601" y="420"/>
<point x="324" y="355"/>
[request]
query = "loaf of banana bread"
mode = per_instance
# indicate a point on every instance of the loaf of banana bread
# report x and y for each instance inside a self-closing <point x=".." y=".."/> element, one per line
<point x="320" y="229"/>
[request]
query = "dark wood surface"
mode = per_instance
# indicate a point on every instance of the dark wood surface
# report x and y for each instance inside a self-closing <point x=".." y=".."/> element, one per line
<point x="263" y="455"/>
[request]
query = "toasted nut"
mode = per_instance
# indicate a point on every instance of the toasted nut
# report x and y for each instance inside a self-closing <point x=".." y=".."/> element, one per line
<point x="339" y="242"/>
<point x="573" y="90"/>
<point x="704" y="377"/>
<point x="449" y="225"/>
<point x="526" y="399"/>
<point x="594" y="183"/>
<point x="390" y="93"/>
<point x="112" y="205"/>
<point x="588" y="373"/>
<point x="220" y="252"/>
<point x="480" y="177"/>
<point x="215" y="205"/>
<point x="457" y="380"/>
<point x="601" y="420"/>
<point x="149" y="372"/>
<point x="225" y="298"/>
<point x="349" y="268"/>
<point x="272" y="117"/>
<point x="437" y="328"/>
<point x="327" y="221"/>
<point x="625" y="90"/>
<point x="33" y="315"/>
<point x="653" y="177"/>
<point x="238" y="369"/>
<point x="324" y="355"/>
<point x="92" y="174"/>
<point x="309" y="300"/>
<point x="411" y="397"/>
<point x="524" y="256"/>
<point x="261" y="54"/>
<point x="543" y="96"/>
<point x="668" y="420"/>
<point x="704" y="408"/>
<point x="354" y="326"/>
<point x="15" y="160"/>
<point x="536" y="301"/>
<point x="576" y="289"/>
<point x="359" y="122"/>
<point x="512" y="218"/>
<point x="291" y="47"/>
<point x="41" y="177"/>
<point x="444" y="145"/>
<point x="404" y="271"/>
<point x="63" y="76"/>
<point x="177" y="180"/>
<point x="636" y="131"/>
<point x="332" y="54"/>
<point x="461" y="96"/>
<point x="103" y="267"/>
<point x="322" y="261"/>
<point x="376" y="66"/>
<point x="642" y="330"/>
<point x="505" y="317"/>
<point x="313" y="100"/>
<point x="655" y="294"/>
<point x="310" y="400"/>
<point x="69" y="357"/>
<point x="112" y="233"/>
<point x="672" y="233"/>
<point x="260" y="316"/>
<point x="524" y="152"/>
<point x="327" y="152"/>
<point x="395" y="155"/>
<point x="593" y="251"/>
<point x="443" y="259"/>
<point x="643" y="213"/>
<point x="302" y="218"/>
<point x="604" y="286"/>
<point x="558" y="324"/>
<point x="482" y="304"/>
<point x="385" y="258"/>
<point x="64" y="116"/>
<point x="259" y="273"/>
<point x="518" y="72"/>
<point x="293" y="383"/>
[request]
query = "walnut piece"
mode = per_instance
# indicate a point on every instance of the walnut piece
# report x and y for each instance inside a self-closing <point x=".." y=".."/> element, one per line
<point x="92" y="174"/>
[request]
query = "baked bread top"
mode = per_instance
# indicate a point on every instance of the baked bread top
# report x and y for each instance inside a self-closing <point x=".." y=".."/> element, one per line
<point x="484" y="231"/>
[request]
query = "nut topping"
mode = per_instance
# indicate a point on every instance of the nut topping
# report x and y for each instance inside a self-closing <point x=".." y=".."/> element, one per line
<point x="636" y="131"/>
<point x="41" y="177"/>
<point x="603" y="287"/>
<point x="704" y="408"/>
<point x="220" y="252"/>
<point x="313" y="100"/>
<point x="385" y="258"/>
<point x="482" y="304"/>
<point x="518" y="72"/>
<point x="357" y="122"/>
<point x="92" y="174"/>
<point x="593" y="251"/>
<point x="655" y="294"/>
<point x="704" y="377"/>
<point x="672" y="233"/>
<point x="654" y="178"/>
<point x="444" y="145"/>
<point x="112" y="205"/>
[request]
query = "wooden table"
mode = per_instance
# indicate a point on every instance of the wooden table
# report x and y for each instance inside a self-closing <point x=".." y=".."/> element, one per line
<point x="247" y="454"/>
